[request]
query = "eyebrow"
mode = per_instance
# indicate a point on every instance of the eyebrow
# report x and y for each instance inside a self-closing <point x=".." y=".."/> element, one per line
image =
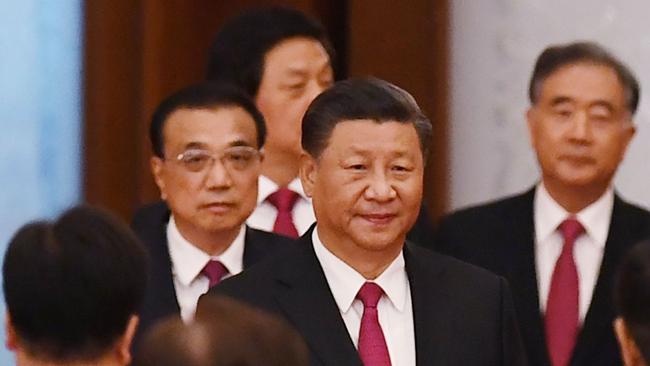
<point x="204" y="146"/>
<point x="301" y="69"/>
<point x="560" y="100"/>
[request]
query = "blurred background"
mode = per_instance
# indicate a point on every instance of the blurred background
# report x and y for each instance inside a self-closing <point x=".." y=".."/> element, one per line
<point x="78" y="81"/>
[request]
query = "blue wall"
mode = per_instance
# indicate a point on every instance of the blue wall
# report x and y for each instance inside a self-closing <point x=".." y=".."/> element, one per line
<point x="40" y="113"/>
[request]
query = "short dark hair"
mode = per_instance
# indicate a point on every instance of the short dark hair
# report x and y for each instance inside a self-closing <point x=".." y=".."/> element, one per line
<point x="202" y="96"/>
<point x="72" y="285"/>
<point x="557" y="56"/>
<point x="225" y="332"/>
<point x="238" y="50"/>
<point x="356" y="99"/>
<point x="632" y="295"/>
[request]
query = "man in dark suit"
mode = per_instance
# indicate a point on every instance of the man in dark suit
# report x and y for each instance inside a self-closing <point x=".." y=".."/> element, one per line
<point x="206" y="141"/>
<point x="352" y="288"/>
<point x="558" y="243"/>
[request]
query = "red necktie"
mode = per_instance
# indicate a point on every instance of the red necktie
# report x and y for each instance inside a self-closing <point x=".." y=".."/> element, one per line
<point x="214" y="271"/>
<point x="562" y="307"/>
<point x="372" y="345"/>
<point x="284" y="199"/>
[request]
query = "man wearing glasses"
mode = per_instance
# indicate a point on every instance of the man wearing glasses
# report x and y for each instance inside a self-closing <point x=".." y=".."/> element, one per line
<point x="206" y="142"/>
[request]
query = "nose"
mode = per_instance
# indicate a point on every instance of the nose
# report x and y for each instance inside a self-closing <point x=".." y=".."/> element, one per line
<point x="580" y="128"/>
<point x="217" y="176"/>
<point x="380" y="188"/>
<point x="314" y="88"/>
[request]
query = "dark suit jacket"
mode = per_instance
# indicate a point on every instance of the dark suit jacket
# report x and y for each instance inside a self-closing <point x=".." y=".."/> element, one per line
<point x="149" y="223"/>
<point x="499" y="236"/>
<point x="462" y="314"/>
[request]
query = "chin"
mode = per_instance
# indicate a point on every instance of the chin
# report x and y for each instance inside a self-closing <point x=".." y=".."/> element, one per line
<point x="377" y="242"/>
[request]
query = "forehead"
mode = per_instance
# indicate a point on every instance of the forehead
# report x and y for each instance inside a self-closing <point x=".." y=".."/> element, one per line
<point x="368" y="136"/>
<point x="214" y="128"/>
<point x="585" y="82"/>
<point x="295" y="54"/>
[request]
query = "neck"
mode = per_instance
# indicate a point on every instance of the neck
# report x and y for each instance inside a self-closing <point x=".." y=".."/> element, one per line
<point x="369" y="263"/>
<point x="280" y="167"/>
<point x="212" y="243"/>
<point x="574" y="198"/>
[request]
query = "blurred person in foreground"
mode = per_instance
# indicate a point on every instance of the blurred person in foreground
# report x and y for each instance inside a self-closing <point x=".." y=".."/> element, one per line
<point x="632" y="297"/>
<point x="225" y="332"/>
<point x="73" y="287"/>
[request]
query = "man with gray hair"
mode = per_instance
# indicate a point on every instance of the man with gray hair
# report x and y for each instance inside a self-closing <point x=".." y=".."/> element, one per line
<point x="558" y="244"/>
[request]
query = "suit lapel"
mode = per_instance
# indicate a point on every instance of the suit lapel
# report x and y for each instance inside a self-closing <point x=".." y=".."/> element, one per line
<point x="161" y="301"/>
<point x="597" y="323"/>
<point x="431" y="314"/>
<point x="521" y="272"/>
<point x="252" y="250"/>
<point x="305" y="297"/>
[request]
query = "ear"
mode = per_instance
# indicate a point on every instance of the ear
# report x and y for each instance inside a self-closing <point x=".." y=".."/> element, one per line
<point x="123" y="346"/>
<point x="630" y="131"/>
<point x="629" y="350"/>
<point x="530" y="121"/>
<point x="12" y="339"/>
<point x="157" y="170"/>
<point x="308" y="173"/>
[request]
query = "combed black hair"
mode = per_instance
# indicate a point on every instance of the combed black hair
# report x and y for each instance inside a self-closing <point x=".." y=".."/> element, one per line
<point x="238" y="50"/>
<point x="356" y="99"/>
<point x="632" y="295"/>
<point x="557" y="56"/>
<point x="202" y="96"/>
<point x="72" y="285"/>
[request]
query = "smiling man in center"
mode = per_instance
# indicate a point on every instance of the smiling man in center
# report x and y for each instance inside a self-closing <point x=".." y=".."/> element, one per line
<point x="355" y="289"/>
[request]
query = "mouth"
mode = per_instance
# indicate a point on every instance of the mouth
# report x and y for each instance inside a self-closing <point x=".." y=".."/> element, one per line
<point x="218" y="207"/>
<point x="379" y="218"/>
<point x="577" y="159"/>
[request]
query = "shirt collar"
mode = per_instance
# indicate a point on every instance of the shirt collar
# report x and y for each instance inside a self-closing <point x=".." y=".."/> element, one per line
<point x="188" y="260"/>
<point x="595" y="218"/>
<point x="266" y="187"/>
<point x="345" y="282"/>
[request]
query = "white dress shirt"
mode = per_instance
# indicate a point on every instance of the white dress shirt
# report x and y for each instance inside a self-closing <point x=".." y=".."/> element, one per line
<point x="587" y="251"/>
<point x="188" y="262"/>
<point x="395" y="307"/>
<point x="263" y="218"/>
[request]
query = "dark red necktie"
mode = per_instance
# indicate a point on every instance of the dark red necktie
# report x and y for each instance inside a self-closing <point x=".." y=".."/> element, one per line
<point x="372" y="344"/>
<point x="284" y="199"/>
<point x="562" y="307"/>
<point x="214" y="271"/>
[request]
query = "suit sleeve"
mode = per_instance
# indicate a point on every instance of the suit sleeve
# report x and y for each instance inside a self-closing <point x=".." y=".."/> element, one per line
<point x="513" y="353"/>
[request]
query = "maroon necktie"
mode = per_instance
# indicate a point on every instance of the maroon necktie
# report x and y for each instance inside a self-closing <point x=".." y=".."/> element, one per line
<point x="372" y="344"/>
<point x="284" y="199"/>
<point x="214" y="271"/>
<point x="562" y="307"/>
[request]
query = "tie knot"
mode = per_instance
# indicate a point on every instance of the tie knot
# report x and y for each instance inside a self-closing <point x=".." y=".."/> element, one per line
<point x="214" y="271"/>
<point x="283" y="199"/>
<point x="571" y="229"/>
<point x="369" y="294"/>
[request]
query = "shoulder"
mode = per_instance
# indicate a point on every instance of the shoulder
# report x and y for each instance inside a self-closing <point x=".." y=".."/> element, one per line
<point x="153" y="214"/>
<point x="267" y="238"/>
<point x="450" y="268"/>
<point x="512" y="205"/>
